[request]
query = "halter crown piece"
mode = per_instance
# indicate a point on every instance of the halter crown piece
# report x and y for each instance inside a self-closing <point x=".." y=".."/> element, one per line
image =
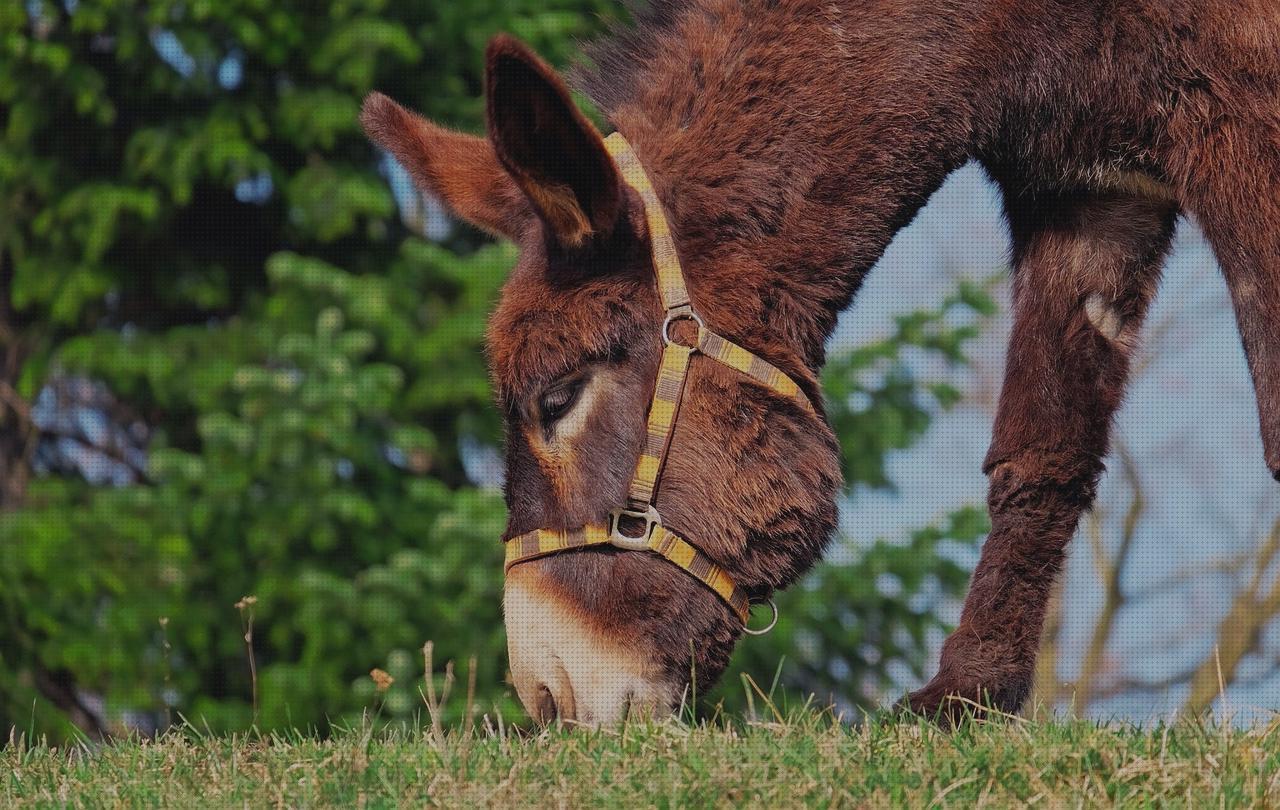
<point x="640" y="507"/>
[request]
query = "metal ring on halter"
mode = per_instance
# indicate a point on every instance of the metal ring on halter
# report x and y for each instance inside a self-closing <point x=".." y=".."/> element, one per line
<point x="772" y="606"/>
<point x="682" y="313"/>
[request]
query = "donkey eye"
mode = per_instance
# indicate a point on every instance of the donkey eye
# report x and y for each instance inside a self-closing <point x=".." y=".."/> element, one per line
<point x="556" y="402"/>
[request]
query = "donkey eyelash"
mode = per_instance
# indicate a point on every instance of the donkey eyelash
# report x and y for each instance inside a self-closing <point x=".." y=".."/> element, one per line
<point x="575" y="372"/>
<point x="555" y="403"/>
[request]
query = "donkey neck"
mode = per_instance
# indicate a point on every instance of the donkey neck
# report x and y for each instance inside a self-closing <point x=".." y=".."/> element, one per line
<point x="788" y="143"/>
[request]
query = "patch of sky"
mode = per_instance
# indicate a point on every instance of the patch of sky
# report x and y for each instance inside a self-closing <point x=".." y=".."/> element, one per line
<point x="900" y="672"/>
<point x="1140" y="707"/>
<point x="888" y="585"/>
<point x="419" y="211"/>
<point x="923" y="600"/>
<point x="948" y="612"/>
<point x="902" y="638"/>
<point x="961" y="554"/>
<point x="395" y="456"/>
<point x="848" y="619"/>
<point x="96" y="467"/>
<point x="136" y="456"/>
<point x="45" y="408"/>
<point x="482" y="463"/>
<point x="255" y="189"/>
<point x="808" y="646"/>
<point x="860" y="401"/>
<point x="839" y="669"/>
<point x="231" y="71"/>
<point x="436" y="222"/>
<point x="93" y="425"/>
<point x="79" y="435"/>
<point x="1253" y="668"/>
<point x="960" y="317"/>
<point x="1269" y="639"/>
<point x="171" y="50"/>
<point x="1252" y="705"/>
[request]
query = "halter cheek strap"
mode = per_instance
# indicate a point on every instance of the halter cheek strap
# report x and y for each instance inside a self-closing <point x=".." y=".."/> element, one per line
<point x="663" y="412"/>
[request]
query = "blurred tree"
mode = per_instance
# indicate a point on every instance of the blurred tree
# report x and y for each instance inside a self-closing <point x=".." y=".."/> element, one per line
<point x="189" y="213"/>
<point x="191" y="219"/>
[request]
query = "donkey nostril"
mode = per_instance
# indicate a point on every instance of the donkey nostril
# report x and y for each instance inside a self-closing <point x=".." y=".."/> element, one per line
<point x="546" y="704"/>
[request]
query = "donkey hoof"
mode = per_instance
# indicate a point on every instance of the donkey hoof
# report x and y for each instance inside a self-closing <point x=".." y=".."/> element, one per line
<point x="943" y="703"/>
<point x="949" y="703"/>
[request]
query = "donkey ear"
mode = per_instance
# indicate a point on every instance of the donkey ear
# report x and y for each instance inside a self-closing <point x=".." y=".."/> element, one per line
<point x="462" y="170"/>
<point x="554" y="153"/>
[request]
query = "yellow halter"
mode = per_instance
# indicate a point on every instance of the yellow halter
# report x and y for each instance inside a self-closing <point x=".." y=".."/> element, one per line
<point x="663" y="411"/>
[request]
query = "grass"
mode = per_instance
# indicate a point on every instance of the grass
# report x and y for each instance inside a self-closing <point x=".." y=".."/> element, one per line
<point x="806" y="760"/>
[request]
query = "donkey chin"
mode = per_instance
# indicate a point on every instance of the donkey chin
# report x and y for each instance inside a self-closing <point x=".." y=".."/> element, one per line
<point x="565" y="668"/>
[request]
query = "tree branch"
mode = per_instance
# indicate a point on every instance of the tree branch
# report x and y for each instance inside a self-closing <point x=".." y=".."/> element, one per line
<point x="1238" y="631"/>
<point x="59" y="688"/>
<point x="1111" y="572"/>
<point x="17" y="440"/>
<point x="8" y="334"/>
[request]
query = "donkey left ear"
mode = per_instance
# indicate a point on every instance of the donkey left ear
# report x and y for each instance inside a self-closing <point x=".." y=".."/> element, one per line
<point x="554" y="153"/>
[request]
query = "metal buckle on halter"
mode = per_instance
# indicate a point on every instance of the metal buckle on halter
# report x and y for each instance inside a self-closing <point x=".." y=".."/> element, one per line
<point x="651" y="519"/>
<point x="684" y="312"/>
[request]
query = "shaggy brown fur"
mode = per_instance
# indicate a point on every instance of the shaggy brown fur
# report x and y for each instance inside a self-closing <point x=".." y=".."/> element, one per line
<point x="789" y="141"/>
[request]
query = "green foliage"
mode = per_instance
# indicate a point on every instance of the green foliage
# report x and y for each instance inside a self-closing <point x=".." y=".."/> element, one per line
<point x="314" y="484"/>
<point x="877" y="405"/>
<point x="189" y="213"/>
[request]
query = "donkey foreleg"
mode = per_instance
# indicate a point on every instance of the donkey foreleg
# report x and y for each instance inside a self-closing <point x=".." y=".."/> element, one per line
<point x="1085" y="268"/>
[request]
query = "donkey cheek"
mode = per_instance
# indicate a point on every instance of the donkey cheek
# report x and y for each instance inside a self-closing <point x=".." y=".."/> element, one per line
<point x="565" y="667"/>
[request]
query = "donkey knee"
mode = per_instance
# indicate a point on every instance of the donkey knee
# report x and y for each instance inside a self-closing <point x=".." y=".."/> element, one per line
<point x="1044" y="489"/>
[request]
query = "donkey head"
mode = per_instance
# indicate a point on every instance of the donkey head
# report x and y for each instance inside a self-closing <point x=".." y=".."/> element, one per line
<point x="750" y="475"/>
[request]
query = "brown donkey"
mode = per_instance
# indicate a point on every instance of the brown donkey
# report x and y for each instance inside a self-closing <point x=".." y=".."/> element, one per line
<point x="786" y="142"/>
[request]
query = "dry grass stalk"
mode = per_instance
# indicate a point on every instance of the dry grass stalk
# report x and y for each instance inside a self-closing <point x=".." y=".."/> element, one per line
<point x="245" y="606"/>
<point x="435" y="706"/>
<point x="166" y="648"/>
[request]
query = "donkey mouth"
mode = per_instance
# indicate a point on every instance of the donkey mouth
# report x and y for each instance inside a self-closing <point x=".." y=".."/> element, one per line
<point x="566" y="669"/>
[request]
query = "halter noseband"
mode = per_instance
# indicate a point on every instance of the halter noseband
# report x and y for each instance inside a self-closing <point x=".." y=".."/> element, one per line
<point x="642" y="495"/>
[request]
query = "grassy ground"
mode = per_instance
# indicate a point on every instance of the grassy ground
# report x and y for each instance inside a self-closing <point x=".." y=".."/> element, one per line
<point x="806" y="761"/>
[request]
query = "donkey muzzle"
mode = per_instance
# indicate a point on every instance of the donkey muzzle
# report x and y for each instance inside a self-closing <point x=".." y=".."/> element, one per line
<point x="566" y="668"/>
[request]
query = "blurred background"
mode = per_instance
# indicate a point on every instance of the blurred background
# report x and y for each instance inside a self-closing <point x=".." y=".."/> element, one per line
<point x="248" y="453"/>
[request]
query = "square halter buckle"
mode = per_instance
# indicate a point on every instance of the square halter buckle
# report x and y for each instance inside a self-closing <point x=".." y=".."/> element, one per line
<point x="628" y="542"/>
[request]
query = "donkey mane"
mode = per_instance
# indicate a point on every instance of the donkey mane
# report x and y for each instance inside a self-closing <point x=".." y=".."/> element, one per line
<point x="608" y="66"/>
<point x="693" y="87"/>
<point x="742" y="112"/>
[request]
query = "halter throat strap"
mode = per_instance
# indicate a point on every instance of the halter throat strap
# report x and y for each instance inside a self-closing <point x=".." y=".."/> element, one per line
<point x="664" y="410"/>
